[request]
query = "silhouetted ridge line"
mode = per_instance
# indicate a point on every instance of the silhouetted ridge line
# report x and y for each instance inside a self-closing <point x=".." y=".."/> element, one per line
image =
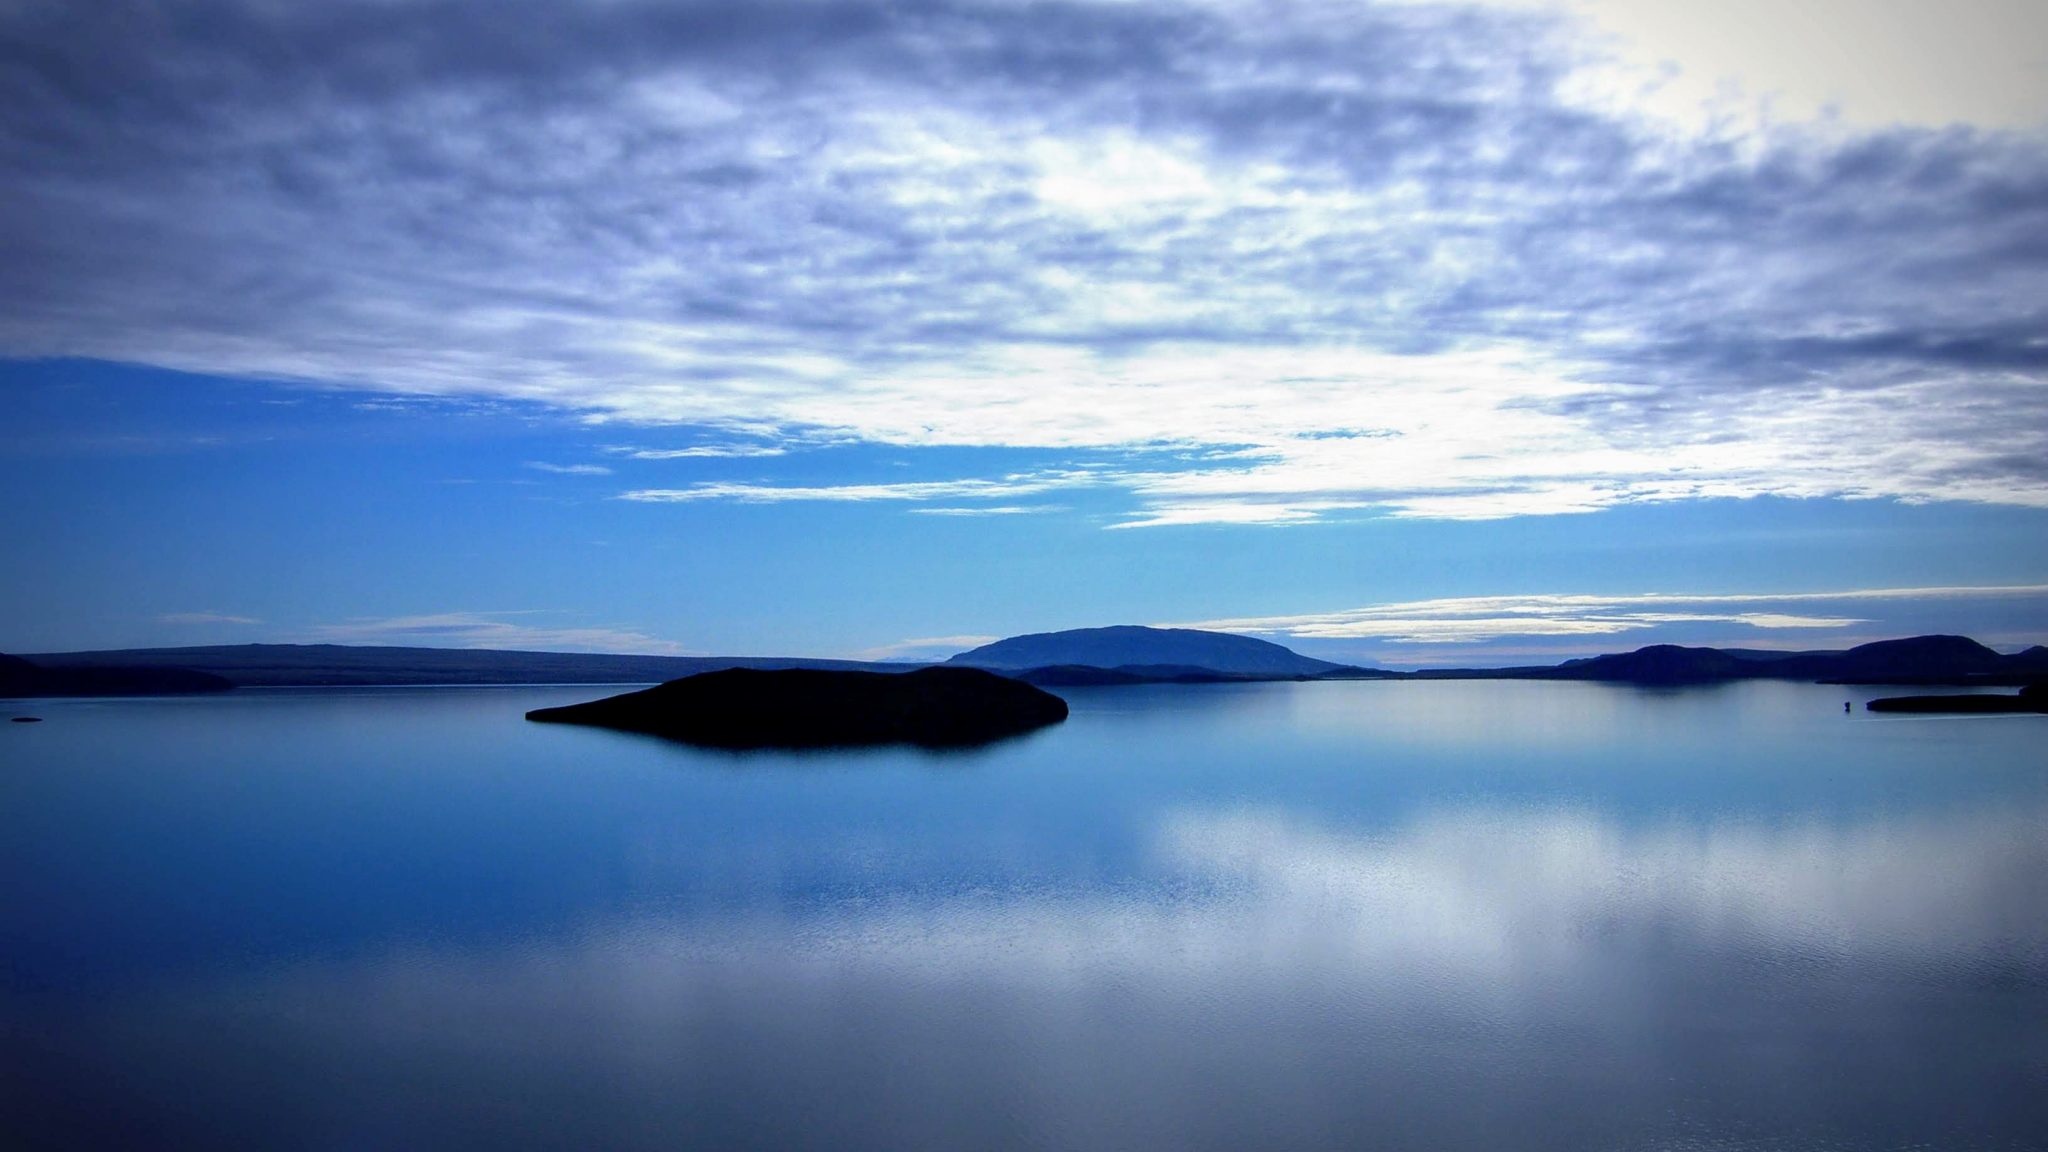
<point x="341" y="665"/>
<point x="1125" y="654"/>
<point x="23" y="678"/>
<point x="1925" y="660"/>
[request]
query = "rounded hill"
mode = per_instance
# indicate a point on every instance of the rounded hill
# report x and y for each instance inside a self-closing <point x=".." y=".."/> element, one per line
<point x="1130" y="645"/>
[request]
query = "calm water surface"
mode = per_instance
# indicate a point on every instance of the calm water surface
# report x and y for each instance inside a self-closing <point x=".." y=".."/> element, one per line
<point x="1347" y="915"/>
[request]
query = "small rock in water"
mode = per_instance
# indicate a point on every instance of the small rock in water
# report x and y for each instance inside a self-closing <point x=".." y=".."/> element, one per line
<point x="26" y="719"/>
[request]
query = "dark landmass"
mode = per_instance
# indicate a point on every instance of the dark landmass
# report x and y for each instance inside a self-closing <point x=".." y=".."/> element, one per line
<point x="1130" y="655"/>
<point x="339" y="665"/>
<point x="1962" y="705"/>
<point x="1218" y="654"/>
<point x="2032" y="697"/>
<point x="820" y="708"/>
<point x="1084" y="657"/>
<point x="24" y="678"/>
<point x="1953" y="661"/>
<point x="1083" y="675"/>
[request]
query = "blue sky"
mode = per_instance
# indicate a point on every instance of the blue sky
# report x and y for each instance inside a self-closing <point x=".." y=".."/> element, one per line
<point x="1416" y="333"/>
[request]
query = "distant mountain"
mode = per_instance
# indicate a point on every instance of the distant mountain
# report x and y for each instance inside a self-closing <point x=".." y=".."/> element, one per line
<point x="1130" y="647"/>
<point x="1953" y="660"/>
<point x="20" y="678"/>
<point x="292" y="665"/>
<point x="1085" y="676"/>
<point x="1666" y="664"/>
<point x="1918" y="659"/>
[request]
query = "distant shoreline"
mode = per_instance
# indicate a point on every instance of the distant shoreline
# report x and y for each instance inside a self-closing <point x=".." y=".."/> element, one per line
<point x="1925" y="661"/>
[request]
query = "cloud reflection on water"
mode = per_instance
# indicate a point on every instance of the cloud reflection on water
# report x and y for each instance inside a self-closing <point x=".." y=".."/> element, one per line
<point x="1475" y="977"/>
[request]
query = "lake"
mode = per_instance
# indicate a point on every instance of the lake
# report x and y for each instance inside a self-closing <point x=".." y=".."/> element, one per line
<point x="1485" y="915"/>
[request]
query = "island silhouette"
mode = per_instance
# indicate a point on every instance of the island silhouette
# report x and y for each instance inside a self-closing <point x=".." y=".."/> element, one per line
<point x="824" y="708"/>
<point x="2032" y="698"/>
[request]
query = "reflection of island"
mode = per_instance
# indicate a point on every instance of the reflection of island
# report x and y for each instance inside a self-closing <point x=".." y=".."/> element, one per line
<point x="2032" y="698"/>
<point x="20" y="678"/>
<point x="817" y="708"/>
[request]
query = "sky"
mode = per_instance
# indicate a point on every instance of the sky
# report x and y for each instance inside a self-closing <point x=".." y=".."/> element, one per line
<point x="1408" y="333"/>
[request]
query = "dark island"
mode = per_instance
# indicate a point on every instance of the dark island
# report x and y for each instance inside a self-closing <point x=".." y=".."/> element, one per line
<point x="819" y="708"/>
<point x="2032" y="698"/>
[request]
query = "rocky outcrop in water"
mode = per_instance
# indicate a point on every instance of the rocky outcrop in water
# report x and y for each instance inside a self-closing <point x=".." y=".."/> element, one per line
<point x="815" y="708"/>
<point x="2032" y="698"/>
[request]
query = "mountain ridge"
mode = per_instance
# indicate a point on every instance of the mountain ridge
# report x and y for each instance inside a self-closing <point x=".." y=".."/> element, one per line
<point x="1916" y="660"/>
<point x="351" y="665"/>
<point x="1132" y="645"/>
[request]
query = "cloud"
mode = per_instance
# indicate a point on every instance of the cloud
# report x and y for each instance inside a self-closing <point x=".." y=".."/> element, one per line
<point x="205" y="618"/>
<point x="700" y="451"/>
<point x="1872" y="64"/>
<point x="925" y="648"/>
<point x="492" y="630"/>
<point x="569" y="469"/>
<point x="1075" y="227"/>
<point x="992" y="510"/>
<point x="1014" y="485"/>
<point x="1470" y="619"/>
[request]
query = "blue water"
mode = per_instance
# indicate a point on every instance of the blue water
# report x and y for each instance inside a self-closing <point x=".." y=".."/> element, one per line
<point x="1344" y="915"/>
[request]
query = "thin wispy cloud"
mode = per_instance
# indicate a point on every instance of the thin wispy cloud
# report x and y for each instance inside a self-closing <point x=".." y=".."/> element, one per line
<point x="701" y="452"/>
<point x="1075" y="227"/>
<point x="1478" y="619"/>
<point x="205" y="618"/>
<point x="500" y="630"/>
<point x="569" y="469"/>
<point x="991" y="510"/>
<point x="925" y="648"/>
<point x="918" y="490"/>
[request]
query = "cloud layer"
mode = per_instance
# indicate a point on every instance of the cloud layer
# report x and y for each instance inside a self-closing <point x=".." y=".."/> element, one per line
<point x="1812" y="619"/>
<point x="517" y="631"/>
<point x="1387" y="258"/>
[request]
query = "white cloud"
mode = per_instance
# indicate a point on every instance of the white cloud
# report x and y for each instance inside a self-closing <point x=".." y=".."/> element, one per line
<point x="205" y="618"/>
<point x="1868" y="62"/>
